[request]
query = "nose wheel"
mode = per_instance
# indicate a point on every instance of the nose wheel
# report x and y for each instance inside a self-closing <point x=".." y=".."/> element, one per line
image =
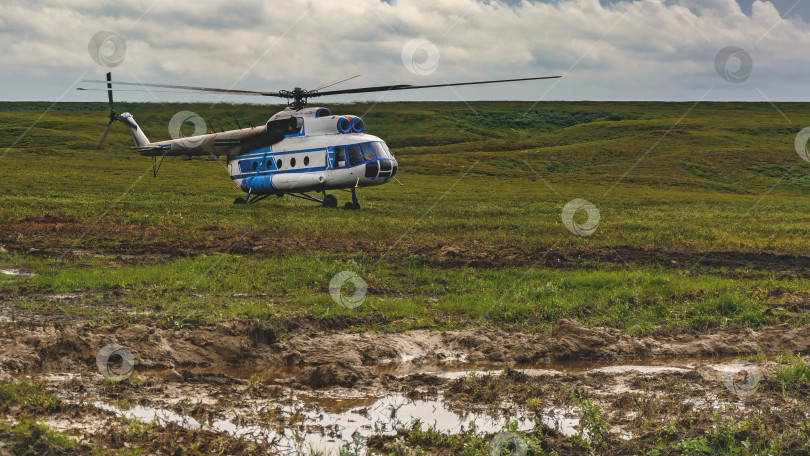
<point x="354" y="204"/>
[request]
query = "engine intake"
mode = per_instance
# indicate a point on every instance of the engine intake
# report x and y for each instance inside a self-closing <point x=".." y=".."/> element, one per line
<point x="344" y="125"/>
<point x="357" y="125"/>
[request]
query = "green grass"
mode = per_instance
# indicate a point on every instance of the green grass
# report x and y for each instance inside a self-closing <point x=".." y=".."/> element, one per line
<point x="33" y="438"/>
<point x="491" y="181"/>
<point x="30" y="397"/>
<point x="211" y="288"/>
<point x="793" y="368"/>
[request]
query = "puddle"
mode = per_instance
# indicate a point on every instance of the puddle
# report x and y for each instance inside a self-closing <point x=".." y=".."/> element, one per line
<point x="626" y="369"/>
<point x="325" y="422"/>
<point x="454" y="369"/>
<point x="16" y="272"/>
<point x="327" y="432"/>
<point x="564" y="419"/>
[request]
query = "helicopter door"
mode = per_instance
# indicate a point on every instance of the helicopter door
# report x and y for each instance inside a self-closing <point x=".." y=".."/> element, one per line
<point x="340" y="157"/>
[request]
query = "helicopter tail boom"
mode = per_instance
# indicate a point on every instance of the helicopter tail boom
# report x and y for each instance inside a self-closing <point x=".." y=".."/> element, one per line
<point x="137" y="134"/>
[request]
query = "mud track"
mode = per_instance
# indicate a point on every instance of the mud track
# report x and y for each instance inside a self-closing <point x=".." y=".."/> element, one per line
<point x="74" y="347"/>
<point x="53" y="236"/>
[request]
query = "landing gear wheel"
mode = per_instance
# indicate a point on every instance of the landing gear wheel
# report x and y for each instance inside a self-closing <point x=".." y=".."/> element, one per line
<point x="330" y="201"/>
<point x="239" y="201"/>
<point x="354" y="205"/>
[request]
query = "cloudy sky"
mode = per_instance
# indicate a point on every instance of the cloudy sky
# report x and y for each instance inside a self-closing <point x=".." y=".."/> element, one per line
<point x="606" y="50"/>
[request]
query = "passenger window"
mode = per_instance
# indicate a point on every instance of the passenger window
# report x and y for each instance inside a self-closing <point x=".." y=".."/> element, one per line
<point x="255" y="166"/>
<point x="368" y="151"/>
<point x="306" y="161"/>
<point x="292" y="163"/>
<point x="355" y="157"/>
<point x="340" y="157"/>
<point x="278" y="163"/>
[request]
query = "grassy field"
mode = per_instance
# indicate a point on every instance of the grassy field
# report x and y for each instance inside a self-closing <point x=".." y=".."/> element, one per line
<point x="475" y="237"/>
<point x="703" y="226"/>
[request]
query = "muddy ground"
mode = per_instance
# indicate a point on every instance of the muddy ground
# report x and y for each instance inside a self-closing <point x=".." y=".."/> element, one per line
<point x="54" y="236"/>
<point x="64" y="347"/>
<point x="293" y="383"/>
<point x="244" y="388"/>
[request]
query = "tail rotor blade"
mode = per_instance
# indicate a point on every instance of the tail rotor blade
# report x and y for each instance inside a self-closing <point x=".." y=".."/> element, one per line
<point x="104" y="136"/>
<point x="109" y="91"/>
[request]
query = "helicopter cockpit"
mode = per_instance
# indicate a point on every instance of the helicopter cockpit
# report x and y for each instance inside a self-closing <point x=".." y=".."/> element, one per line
<point x="380" y="164"/>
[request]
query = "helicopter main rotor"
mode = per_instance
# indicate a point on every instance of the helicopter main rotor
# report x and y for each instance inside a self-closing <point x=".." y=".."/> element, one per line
<point x="297" y="98"/>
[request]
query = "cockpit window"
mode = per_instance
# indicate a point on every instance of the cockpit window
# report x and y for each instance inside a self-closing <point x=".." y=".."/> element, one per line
<point x="355" y="157"/>
<point x="368" y="151"/>
<point x="340" y="157"/>
<point x="380" y="150"/>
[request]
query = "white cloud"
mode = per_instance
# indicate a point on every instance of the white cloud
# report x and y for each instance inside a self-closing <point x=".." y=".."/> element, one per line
<point x="638" y="49"/>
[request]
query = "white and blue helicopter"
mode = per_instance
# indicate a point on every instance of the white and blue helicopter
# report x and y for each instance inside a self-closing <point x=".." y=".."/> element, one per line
<point x="299" y="150"/>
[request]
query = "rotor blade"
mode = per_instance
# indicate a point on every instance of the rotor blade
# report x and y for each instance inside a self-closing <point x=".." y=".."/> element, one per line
<point x="408" y="87"/>
<point x="333" y="83"/>
<point x="166" y="91"/>
<point x="104" y="136"/>
<point x="109" y="93"/>
<point x="196" y="89"/>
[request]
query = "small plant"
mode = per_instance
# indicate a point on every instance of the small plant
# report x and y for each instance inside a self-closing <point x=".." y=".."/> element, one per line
<point x="794" y="369"/>
<point x="592" y="428"/>
<point x="720" y="439"/>
<point x="534" y="403"/>
<point x="137" y="429"/>
<point x="699" y="444"/>
<point x="516" y="442"/>
<point x="399" y="447"/>
<point x="473" y="374"/>
<point x="353" y="448"/>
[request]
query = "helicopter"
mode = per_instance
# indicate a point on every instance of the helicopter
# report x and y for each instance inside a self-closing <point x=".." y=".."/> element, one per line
<point x="298" y="151"/>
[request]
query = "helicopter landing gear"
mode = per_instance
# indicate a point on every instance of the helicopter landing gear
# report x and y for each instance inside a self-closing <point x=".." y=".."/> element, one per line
<point x="247" y="200"/>
<point x="329" y="200"/>
<point x="354" y="204"/>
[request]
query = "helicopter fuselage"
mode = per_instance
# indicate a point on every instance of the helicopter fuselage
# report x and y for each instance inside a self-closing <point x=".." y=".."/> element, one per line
<point x="296" y="151"/>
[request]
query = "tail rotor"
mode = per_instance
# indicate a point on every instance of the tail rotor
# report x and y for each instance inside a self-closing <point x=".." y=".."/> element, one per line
<point x="113" y="114"/>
